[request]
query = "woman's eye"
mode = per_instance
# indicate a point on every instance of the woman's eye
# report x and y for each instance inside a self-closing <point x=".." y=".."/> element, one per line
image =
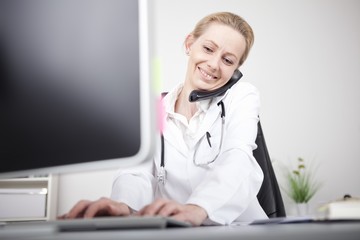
<point x="207" y="49"/>
<point x="228" y="61"/>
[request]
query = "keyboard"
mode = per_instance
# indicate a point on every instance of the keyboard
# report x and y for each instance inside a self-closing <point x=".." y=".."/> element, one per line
<point x="97" y="224"/>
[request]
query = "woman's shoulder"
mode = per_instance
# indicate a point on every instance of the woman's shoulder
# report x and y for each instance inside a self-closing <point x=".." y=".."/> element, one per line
<point x="243" y="96"/>
<point x="242" y="89"/>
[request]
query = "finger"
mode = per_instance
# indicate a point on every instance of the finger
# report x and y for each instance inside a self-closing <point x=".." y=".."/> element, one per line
<point x="78" y="210"/>
<point x="64" y="216"/>
<point x="93" y="210"/>
<point x="114" y="208"/>
<point x="169" y="209"/>
<point x="191" y="213"/>
<point x="153" y="208"/>
<point x="184" y="218"/>
<point x="107" y="207"/>
<point x="97" y="208"/>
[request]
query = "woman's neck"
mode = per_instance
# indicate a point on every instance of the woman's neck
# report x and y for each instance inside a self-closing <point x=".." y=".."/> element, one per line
<point x="183" y="106"/>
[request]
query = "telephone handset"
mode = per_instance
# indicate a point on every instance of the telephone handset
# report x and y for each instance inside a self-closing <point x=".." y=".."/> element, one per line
<point x="201" y="95"/>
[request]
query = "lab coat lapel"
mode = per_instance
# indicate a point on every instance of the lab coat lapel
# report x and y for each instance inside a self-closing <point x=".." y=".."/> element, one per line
<point x="212" y="114"/>
<point x="173" y="136"/>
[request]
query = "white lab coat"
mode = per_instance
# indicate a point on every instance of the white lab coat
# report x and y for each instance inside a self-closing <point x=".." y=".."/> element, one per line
<point x="225" y="188"/>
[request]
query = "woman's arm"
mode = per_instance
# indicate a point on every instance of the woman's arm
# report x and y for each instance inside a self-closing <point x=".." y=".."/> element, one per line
<point x="134" y="186"/>
<point x="235" y="178"/>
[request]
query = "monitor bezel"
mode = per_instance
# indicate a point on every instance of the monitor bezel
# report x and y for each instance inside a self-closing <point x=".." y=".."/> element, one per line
<point x="147" y="114"/>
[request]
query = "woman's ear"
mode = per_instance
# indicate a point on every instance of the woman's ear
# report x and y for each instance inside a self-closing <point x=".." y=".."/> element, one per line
<point x="188" y="42"/>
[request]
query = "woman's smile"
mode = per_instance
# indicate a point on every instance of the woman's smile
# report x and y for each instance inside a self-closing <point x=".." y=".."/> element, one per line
<point x="206" y="75"/>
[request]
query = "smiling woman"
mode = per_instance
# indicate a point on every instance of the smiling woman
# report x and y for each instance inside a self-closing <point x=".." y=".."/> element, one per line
<point x="232" y="21"/>
<point x="213" y="58"/>
<point x="203" y="170"/>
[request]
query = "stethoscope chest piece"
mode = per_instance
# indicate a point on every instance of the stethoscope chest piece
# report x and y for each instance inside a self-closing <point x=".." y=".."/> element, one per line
<point x="161" y="176"/>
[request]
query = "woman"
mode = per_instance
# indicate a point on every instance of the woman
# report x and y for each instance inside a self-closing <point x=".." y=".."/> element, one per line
<point x="211" y="175"/>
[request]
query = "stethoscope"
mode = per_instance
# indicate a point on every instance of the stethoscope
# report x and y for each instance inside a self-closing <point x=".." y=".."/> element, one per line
<point x="161" y="176"/>
<point x="197" y="96"/>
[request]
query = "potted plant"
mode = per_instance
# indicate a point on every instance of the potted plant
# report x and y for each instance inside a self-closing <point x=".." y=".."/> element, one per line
<point x="301" y="186"/>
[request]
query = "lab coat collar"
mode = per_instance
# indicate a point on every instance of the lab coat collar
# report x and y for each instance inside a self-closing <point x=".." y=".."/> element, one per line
<point x="172" y="133"/>
<point x="210" y="107"/>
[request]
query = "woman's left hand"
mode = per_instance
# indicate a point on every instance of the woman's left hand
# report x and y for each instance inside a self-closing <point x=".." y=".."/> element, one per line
<point x="191" y="213"/>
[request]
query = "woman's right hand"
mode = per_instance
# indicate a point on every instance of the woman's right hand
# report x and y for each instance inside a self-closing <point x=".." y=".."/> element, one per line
<point x="101" y="207"/>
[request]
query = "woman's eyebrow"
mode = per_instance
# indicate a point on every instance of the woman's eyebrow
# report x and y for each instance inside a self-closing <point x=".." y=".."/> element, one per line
<point x="217" y="46"/>
<point x="212" y="42"/>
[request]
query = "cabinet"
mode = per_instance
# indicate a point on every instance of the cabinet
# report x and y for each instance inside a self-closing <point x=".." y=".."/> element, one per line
<point x="28" y="198"/>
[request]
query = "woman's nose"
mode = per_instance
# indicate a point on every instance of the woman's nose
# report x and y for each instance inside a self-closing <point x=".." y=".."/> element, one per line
<point x="213" y="62"/>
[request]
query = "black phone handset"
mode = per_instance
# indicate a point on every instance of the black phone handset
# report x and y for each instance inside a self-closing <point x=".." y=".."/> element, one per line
<point x="201" y="95"/>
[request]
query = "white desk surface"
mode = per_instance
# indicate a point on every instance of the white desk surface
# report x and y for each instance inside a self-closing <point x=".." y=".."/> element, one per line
<point x="304" y="231"/>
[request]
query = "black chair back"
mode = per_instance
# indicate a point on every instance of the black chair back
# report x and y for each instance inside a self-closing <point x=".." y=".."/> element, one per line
<point x="269" y="195"/>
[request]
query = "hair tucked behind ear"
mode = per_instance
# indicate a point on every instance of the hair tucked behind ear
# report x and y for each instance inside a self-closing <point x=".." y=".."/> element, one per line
<point x="232" y="20"/>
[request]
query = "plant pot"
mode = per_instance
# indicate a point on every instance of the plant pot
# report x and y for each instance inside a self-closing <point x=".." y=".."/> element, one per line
<point x="302" y="209"/>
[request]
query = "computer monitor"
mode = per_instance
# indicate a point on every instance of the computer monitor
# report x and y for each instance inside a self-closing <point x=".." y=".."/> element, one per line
<point x="75" y="86"/>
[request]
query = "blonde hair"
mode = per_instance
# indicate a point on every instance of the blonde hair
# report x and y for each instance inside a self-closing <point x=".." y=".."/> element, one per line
<point x="229" y="19"/>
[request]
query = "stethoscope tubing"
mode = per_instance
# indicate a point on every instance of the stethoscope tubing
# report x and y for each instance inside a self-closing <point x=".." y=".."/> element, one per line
<point x="162" y="173"/>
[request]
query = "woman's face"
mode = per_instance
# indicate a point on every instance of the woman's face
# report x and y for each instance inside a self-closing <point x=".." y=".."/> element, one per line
<point x="213" y="57"/>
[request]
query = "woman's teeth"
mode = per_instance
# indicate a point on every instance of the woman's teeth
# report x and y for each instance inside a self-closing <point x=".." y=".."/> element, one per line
<point x="207" y="76"/>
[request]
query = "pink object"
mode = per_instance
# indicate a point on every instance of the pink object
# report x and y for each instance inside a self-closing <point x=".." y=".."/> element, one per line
<point x="160" y="114"/>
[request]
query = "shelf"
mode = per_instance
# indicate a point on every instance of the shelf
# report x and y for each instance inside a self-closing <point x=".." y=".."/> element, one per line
<point x="29" y="198"/>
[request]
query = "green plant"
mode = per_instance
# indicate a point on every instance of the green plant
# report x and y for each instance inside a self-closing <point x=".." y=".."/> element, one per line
<point x="302" y="185"/>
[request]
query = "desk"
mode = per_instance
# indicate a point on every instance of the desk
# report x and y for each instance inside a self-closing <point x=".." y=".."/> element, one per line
<point x="305" y="231"/>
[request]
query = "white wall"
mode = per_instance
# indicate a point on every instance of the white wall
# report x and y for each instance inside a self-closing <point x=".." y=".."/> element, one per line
<point x="306" y="64"/>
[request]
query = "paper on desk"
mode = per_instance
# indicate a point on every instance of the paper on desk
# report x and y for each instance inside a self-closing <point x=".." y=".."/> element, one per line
<point x="283" y="220"/>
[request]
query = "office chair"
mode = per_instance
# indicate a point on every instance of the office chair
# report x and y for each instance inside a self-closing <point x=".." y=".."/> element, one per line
<point x="269" y="195"/>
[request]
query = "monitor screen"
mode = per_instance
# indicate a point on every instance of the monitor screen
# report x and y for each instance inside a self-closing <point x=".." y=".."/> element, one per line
<point x="75" y="90"/>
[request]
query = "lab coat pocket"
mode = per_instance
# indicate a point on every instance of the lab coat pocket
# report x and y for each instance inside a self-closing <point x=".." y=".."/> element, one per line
<point x="208" y="147"/>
